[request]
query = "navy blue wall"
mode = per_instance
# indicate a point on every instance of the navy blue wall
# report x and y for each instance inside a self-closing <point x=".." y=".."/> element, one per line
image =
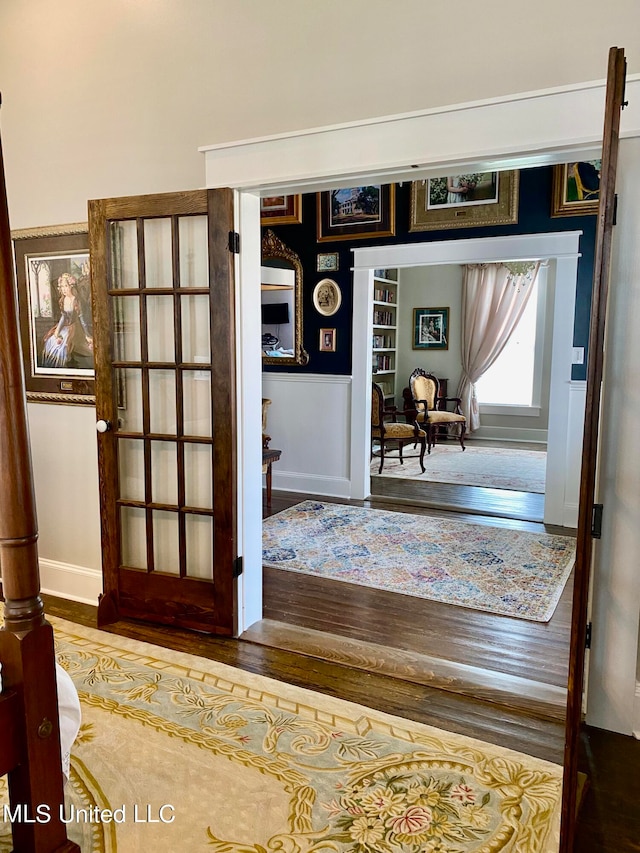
<point x="534" y="216"/>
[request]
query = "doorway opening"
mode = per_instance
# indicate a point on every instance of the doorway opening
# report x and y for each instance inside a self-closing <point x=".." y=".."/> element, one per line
<point x="502" y="470"/>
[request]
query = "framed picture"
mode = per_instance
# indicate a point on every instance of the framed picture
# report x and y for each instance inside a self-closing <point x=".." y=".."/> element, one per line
<point x="464" y="201"/>
<point x="430" y="328"/>
<point x="327" y="297"/>
<point x="576" y="188"/>
<point x="281" y="209"/>
<point x="356" y="213"/>
<point x="327" y="262"/>
<point x="327" y="340"/>
<point x="54" y="303"/>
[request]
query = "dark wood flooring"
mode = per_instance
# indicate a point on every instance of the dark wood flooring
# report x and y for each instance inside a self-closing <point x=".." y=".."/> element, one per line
<point x="502" y="503"/>
<point x="609" y="819"/>
<point x="514" y="663"/>
<point x="457" y="671"/>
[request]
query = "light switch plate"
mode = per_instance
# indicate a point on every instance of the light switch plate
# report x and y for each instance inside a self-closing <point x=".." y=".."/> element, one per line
<point x="578" y="355"/>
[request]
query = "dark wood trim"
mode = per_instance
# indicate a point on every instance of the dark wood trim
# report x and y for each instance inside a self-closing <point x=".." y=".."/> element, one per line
<point x="26" y="639"/>
<point x="614" y="96"/>
<point x="106" y="409"/>
<point x="223" y="397"/>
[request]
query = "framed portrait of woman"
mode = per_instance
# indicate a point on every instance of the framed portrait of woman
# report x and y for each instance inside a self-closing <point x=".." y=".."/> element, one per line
<point x="54" y="305"/>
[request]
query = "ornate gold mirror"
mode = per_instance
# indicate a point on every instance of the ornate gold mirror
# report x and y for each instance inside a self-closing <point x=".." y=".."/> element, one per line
<point x="281" y="292"/>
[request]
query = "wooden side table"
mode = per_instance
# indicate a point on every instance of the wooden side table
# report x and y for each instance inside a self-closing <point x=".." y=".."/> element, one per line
<point x="269" y="456"/>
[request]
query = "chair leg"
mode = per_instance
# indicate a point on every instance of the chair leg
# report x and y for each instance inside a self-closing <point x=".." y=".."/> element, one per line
<point x="423" y="442"/>
<point x="381" y="456"/>
<point x="462" y="426"/>
<point x="400" y="446"/>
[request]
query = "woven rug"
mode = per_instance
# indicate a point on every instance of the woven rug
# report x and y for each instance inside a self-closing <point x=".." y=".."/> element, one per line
<point x="230" y="762"/>
<point x="512" y="572"/>
<point x="490" y="467"/>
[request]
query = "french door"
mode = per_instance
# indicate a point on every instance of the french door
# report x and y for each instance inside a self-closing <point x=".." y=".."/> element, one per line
<point x="163" y="291"/>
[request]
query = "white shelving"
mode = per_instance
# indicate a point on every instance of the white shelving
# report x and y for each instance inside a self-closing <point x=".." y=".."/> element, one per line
<point x="385" y="332"/>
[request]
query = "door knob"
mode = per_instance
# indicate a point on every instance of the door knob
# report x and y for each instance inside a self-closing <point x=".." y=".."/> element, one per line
<point x="103" y="426"/>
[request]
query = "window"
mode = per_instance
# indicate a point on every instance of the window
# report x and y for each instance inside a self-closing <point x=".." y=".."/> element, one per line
<point x="514" y="379"/>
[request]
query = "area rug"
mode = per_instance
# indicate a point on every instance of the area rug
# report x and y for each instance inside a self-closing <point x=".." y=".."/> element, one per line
<point x="495" y="569"/>
<point x="230" y="762"/>
<point x="490" y="467"/>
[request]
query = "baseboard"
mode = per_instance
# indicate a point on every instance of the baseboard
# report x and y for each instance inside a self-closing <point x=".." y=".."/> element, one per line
<point x="570" y="515"/>
<point x="636" y="713"/>
<point x="498" y="433"/>
<point x="76" y="583"/>
<point x="312" y="484"/>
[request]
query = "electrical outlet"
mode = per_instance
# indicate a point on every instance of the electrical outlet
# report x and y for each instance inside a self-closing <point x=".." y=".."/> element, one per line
<point x="578" y="355"/>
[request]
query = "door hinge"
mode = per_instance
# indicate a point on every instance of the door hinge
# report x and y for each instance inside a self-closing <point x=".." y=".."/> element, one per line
<point x="596" y="521"/>
<point x="587" y="639"/>
<point x="237" y="567"/>
<point x="614" y="220"/>
<point x="234" y="242"/>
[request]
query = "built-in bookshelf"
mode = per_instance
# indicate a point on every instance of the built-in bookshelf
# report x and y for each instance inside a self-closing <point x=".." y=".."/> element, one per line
<point x="385" y="332"/>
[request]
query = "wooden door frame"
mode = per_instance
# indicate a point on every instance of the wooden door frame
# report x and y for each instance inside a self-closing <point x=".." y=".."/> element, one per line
<point x="568" y="126"/>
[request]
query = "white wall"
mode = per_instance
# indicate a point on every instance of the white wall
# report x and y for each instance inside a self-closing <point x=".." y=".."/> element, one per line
<point x="616" y="591"/>
<point x="309" y="419"/>
<point x="114" y="97"/>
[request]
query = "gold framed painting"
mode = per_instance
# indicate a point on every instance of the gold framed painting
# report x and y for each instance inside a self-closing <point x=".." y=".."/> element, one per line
<point x="281" y="210"/>
<point x="576" y="188"/>
<point x="354" y="213"/>
<point x="464" y="201"/>
<point x="327" y="340"/>
<point x="54" y="304"/>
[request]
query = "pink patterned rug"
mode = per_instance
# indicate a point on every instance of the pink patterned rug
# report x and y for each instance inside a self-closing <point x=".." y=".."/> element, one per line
<point x="495" y="569"/>
<point x="491" y="467"/>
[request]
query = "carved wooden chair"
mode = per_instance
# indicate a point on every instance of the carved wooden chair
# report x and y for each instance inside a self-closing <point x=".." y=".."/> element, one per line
<point x="430" y="407"/>
<point x="265" y="409"/>
<point x="385" y="432"/>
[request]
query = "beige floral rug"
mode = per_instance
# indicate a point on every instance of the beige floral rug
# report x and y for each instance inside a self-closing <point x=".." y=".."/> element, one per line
<point x="178" y="753"/>
<point x="489" y="467"/>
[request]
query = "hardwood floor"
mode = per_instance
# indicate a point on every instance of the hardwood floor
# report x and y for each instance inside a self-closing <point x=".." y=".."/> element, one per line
<point x="503" y="666"/>
<point x="608" y="820"/>
<point x="526" y="651"/>
<point x="502" y="503"/>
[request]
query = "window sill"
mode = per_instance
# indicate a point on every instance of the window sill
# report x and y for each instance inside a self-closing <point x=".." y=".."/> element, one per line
<point x="510" y="411"/>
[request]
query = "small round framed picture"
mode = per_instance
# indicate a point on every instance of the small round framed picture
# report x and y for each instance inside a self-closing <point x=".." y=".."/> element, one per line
<point x="327" y="297"/>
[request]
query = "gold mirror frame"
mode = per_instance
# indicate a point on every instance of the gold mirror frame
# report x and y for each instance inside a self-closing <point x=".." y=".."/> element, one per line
<point x="273" y="247"/>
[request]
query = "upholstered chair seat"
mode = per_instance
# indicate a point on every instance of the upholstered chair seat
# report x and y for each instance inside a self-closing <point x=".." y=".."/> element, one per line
<point x="396" y="430"/>
<point x="440" y="418"/>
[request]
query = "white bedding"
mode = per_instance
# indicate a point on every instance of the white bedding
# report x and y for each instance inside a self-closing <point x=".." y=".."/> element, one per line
<point x="69" y="713"/>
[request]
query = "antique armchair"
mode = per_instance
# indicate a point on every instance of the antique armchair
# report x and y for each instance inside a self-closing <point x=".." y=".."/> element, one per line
<point x="265" y="408"/>
<point x="385" y="432"/>
<point x="430" y="407"/>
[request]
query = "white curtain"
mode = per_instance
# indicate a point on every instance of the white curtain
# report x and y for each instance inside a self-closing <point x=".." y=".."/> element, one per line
<point x="493" y="299"/>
